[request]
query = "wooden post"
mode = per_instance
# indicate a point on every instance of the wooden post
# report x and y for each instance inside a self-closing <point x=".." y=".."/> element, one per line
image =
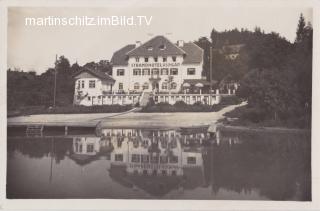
<point x="65" y="130"/>
<point x="55" y="82"/>
<point x="210" y="69"/>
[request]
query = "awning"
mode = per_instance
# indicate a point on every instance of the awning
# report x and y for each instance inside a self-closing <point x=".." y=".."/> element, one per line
<point x="186" y="85"/>
<point x="199" y="85"/>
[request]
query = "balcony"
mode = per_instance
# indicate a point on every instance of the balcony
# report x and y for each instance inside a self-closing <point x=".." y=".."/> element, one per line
<point x="155" y="78"/>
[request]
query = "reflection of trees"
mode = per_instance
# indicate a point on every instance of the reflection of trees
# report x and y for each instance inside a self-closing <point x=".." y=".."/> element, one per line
<point x="276" y="164"/>
<point x="44" y="147"/>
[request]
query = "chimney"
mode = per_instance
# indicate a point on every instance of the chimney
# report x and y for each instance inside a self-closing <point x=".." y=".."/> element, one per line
<point x="138" y="43"/>
<point x="180" y="43"/>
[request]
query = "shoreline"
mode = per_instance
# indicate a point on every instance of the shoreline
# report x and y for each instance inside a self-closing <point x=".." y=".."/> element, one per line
<point x="233" y="128"/>
<point x="127" y="119"/>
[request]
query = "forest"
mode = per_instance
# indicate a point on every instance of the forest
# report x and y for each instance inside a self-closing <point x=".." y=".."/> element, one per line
<point x="275" y="75"/>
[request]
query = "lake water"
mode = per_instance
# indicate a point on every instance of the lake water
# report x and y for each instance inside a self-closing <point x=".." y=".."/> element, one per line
<point x="161" y="164"/>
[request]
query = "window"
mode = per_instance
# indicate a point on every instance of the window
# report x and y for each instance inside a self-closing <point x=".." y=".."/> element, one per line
<point x="137" y="59"/>
<point x="154" y="172"/>
<point x="90" y="148"/>
<point x="145" y="158"/>
<point x="92" y="84"/>
<point x="155" y="71"/>
<point x="145" y="86"/>
<point x="149" y="48"/>
<point x="164" y="59"/>
<point x="146" y="71"/>
<point x="118" y="157"/>
<point x="174" y="71"/>
<point x="136" y="86"/>
<point x="78" y="84"/>
<point x="154" y="159"/>
<point x="162" y="47"/>
<point x="164" y="71"/>
<point x="120" y="86"/>
<point x="174" y="59"/>
<point x="146" y="59"/>
<point x="164" y="85"/>
<point x="155" y="59"/>
<point x="191" y="71"/>
<point x="173" y="85"/>
<point x="136" y="71"/>
<point x="120" y="72"/>
<point x="135" y="158"/>
<point x="89" y="98"/>
<point x="173" y="159"/>
<point x="191" y="160"/>
<point x="163" y="159"/>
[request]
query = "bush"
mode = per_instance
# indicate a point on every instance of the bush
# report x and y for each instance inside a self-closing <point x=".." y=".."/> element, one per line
<point x="230" y="100"/>
<point x="151" y="102"/>
<point x="180" y="104"/>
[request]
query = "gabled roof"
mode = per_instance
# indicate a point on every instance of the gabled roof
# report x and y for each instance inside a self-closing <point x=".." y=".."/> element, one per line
<point x="96" y="73"/>
<point x="194" y="53"/>
<point x="119" y="57"/>
<point x="157" y="46"/>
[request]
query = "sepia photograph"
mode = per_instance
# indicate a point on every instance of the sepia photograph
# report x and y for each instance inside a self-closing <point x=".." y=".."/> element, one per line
<point x="166" y="102"/>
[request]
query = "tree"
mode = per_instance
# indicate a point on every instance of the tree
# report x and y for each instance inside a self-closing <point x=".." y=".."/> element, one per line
<point x="205" y="44"/>
<point x="300" y="29"/>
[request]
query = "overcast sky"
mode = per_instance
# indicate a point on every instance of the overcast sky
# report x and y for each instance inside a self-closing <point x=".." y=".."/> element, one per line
<point x="34" y="48"/>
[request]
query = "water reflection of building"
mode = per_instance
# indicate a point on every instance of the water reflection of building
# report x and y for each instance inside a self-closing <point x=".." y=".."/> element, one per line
<point x="152" y="152"/>
<point x="89" y="148"/>
<point x="156" y="161"/>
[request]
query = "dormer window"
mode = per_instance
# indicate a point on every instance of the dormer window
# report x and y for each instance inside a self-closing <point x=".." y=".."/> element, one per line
<point x="155" y="59"/>
<point x="146" y="59"/>
<point x="164" y="59"/>
<point x="149" y="48"/>
<point x="162" y="47"/>
<point x="137" y="59"/>
<point x="174" y="59"/>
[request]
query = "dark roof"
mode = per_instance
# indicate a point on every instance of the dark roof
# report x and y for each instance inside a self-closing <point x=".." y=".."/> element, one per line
<point x="153" y="48"/>
<point x="97" y="73"/>
<point x="83" y="159"/>
<point x="119" y="57"/>
<point x="194" y="53"/>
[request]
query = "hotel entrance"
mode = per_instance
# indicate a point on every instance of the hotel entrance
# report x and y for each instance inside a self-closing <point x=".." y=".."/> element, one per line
<point x="155" y="85"/>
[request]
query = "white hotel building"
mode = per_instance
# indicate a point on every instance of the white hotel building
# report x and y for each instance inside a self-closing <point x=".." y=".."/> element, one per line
<point x="158" y="68"/>
<point x="150" y="66"/>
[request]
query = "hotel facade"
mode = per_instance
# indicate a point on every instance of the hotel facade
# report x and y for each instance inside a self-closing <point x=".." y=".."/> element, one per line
<point x="166" y="71"/>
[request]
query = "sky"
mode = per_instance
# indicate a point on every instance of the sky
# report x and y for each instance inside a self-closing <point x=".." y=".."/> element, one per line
<point x="33" y="48"/>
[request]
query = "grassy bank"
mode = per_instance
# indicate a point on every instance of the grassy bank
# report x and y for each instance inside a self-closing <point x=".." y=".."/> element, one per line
<point x="251" y="117"/>
<point x="68" y="110"/>
<point x="180" y="106"/>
